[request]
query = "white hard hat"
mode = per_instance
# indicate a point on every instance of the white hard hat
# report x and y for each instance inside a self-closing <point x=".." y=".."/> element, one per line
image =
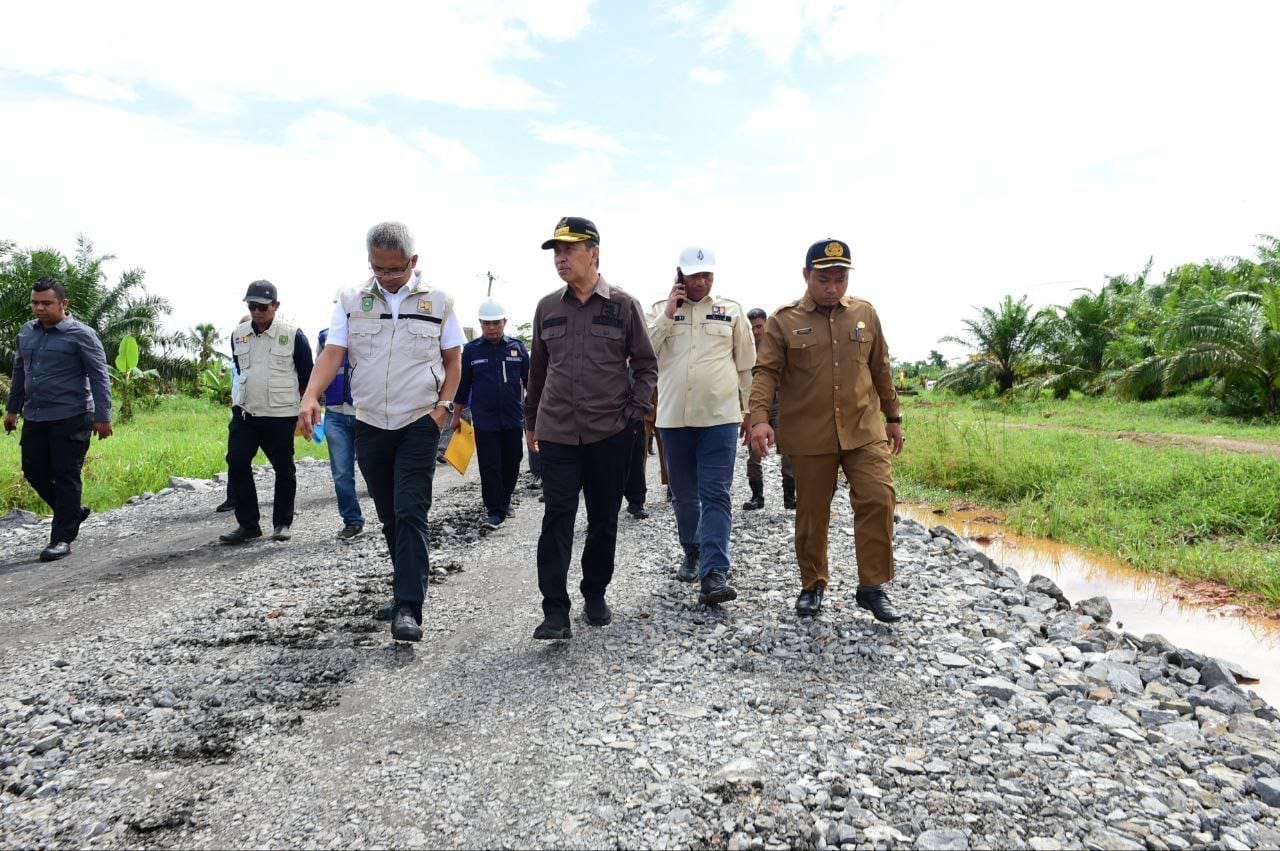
<point x="695" y="259"/>
<point x="491" y="311"/>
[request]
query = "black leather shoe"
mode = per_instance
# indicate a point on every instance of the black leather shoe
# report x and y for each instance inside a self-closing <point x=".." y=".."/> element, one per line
<point x="688" y="571"/>
<point x="53" y="552"/>
<point x="552" y="630"/>
<point x="282" y="533"/>
<point x="809" y="603"/>
<point x="349" y="531"/>
<point x="638" y="512"/>
<point x="716" y="589"/>
<point x="757" y="497"/>
<point x="875" y="600"/>
<point x="789" y="494"/>
<point x="404" y="627"/>
<point x="228" y="505"/>
<point x="385" y="613"/>
<point x="85" y="511"/>
<point x="597" y="612"/>
<point x="239" y="535"/>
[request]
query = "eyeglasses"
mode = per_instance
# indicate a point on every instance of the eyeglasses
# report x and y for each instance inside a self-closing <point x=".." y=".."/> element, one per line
<point x="393" y="272"/>
<point x="253" y="306"/>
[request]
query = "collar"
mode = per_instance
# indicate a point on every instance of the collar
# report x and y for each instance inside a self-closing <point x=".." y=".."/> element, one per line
<point x="62" y="325"/>
<point x="810" y="305"/>
<point x="415" y="285"/>
<point x="601" y="289"/>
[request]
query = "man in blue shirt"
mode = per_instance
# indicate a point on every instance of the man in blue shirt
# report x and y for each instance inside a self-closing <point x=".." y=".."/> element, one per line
<point x="61" y="388"/>
<point x="340" y="433"/>
<point x="495" y="371"/>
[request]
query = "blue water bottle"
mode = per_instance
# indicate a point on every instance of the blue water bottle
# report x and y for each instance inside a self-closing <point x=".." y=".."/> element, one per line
<point x="317" y="431"/>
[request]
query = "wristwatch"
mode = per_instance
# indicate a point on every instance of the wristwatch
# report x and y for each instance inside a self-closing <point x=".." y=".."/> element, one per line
<point x="447" y="405"/>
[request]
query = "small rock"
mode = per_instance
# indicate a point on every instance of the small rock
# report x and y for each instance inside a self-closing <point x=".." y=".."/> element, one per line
<point x="943" y="840"/>
<point x="903" y="766"/>
<point x="1046" y="586"/>
<point x="1098" y="608"/>
<point x="997" y="687"/>
<point x="1268" y="789"/>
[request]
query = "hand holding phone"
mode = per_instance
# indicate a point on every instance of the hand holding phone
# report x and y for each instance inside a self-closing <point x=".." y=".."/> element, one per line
<point x="680" y="285"/>
<point x="676" y="298"/>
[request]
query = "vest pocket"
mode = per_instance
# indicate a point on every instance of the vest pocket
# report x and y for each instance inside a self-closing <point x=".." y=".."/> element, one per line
<point x="425" y="339"/>
<point x="361" y="336"/>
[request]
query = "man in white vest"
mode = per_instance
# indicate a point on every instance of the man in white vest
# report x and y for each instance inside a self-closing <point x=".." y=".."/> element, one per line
<point x="404" y="344"/>
<point x="274" y="362"/>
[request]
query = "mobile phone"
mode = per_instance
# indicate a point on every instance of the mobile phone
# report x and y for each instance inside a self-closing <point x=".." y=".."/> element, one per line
<point x="679" y="280"/>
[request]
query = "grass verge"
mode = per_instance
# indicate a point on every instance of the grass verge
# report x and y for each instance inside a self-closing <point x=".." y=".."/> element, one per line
<point x="181" y="437"/>
<point x="1180" y="511"/>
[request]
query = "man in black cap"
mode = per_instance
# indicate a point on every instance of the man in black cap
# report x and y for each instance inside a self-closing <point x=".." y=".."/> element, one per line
<point x="274" y="362"/>
<point x="583" y="411"/>
<point x="827" y="355"/>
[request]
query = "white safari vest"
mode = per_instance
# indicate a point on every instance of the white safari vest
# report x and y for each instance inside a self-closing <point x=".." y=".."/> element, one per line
<point x="268" y="380"/>
<point x="396" y="370"/>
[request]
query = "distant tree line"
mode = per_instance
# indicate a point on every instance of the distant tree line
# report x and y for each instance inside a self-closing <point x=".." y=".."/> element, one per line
<point x="170" y="362"/>
<point x="1210" y="328"/>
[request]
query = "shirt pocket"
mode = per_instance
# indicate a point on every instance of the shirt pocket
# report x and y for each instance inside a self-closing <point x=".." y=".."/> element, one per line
<point x="605" y="345"/>
<point x="555" y="332"/>
<point x="862" y="344"/>
<point x="362" y="338"/>
<point x="425" y="339"/>
<point x="802" y="352"/>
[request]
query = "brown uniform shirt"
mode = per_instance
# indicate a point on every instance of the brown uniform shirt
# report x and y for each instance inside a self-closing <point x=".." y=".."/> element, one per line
<point x="580" y="390"/>
<point x="832" y="368"/>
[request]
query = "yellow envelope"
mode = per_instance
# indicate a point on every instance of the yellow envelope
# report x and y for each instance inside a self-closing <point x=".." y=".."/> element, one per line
<point x="461" y="447"/>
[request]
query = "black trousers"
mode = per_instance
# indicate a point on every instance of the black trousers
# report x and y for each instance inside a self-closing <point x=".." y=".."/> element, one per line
<point x="598" y="471"/>
<point x="274" y="436"/>
<point x="637" y="489"/>
<point x="398" y="465"/>
<point x="52" y="455"/>
<point x="498" y="455"/>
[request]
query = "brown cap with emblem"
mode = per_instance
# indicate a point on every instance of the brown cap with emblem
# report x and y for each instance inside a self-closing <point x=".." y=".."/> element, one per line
<point x="573" y="229"/>
<point x="826" y="253"/>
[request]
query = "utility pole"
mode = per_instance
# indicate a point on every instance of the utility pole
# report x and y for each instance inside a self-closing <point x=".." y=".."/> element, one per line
<point x="492" y="277"/>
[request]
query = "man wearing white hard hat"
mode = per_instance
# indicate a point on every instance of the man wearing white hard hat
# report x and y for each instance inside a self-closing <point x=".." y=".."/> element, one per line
<point x="495" y="372"/>
<point x="705" y="355"/>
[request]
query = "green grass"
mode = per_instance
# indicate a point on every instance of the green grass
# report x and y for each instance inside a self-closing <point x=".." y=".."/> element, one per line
<point x="181" y="437"/>
<point x="1178" y="415"/>
<point x="1195" y="514"/>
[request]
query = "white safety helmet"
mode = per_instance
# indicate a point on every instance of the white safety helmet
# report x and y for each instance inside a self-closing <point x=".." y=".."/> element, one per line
<point x="491" y="311"/>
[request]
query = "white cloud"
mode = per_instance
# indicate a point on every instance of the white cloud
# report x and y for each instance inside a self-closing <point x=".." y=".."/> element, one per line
<point x="708" y="76"/>
<point x="218" y="56"/>
<point x="95" y="87"/>
<point x="788" y="109"/>
<point x="450" y="153"/>
<point x="578" y="134"/>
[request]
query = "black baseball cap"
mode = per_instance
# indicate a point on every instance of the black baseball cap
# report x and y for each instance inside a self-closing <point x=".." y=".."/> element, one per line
<point x="827" y="253"/>
<point x="261" y="292"/>
<point x="573" y="229"/>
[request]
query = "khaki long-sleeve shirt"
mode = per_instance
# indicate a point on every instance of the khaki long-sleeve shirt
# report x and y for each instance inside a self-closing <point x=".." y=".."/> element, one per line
<point x="832" y="366"/>
<point x="705" y="354"/>
<point x="580" y="390"/>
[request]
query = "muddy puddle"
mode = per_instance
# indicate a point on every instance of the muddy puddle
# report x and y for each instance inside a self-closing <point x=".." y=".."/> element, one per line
<point x="1142" y="602"/>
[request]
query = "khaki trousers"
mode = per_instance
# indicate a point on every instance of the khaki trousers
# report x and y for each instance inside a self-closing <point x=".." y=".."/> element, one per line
<point x="871" y="493"/>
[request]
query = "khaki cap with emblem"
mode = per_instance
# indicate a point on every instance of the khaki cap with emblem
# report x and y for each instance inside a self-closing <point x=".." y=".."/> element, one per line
<point x="826" y="253"/>
<point x="573" y="229"/>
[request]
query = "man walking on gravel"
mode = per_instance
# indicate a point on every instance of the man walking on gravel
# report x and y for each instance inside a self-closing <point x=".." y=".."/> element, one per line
<point x="404" y="344"/>
<point x="274" y="361"/>
<point x="495" y="371"/>
<point x="60" y="387"/>
<point x="582" y="412"/>
<point x="755" y="470"/>
<point x="827" y="355"/>
<point x="705" y="354"/>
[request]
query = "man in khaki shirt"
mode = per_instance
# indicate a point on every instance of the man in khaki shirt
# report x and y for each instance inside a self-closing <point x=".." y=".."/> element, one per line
<point x="705" y="354"/>
<point x="828" y="356"/>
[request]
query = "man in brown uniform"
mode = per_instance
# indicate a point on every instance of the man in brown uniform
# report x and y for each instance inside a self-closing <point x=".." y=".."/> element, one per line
<point x="828" y="356"/>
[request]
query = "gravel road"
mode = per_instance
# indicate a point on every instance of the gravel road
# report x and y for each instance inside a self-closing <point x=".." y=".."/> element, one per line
<point x="162" y="690"/>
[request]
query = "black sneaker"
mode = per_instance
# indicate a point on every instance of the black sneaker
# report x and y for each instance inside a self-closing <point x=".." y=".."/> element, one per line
<point x="688" y="570"/>
<point x="239" y="535"/>
<point x="493" y="521"/>
<point x="716" y="589"/>
<point x="638" y="512"/>
<point x="350" y="531"/>
<point x="597" y="612"/>
<point x="552" y="630"/>
<point x="508" y="511"/>
<point x="404" y="626"/>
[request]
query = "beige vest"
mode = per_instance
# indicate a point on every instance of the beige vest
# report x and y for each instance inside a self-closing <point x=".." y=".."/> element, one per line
<point x="396" y="370"/>
<point x="268" y="380"/>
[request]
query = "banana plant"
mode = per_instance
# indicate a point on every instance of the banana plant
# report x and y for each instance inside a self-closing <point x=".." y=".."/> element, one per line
<point x="126" y="375"/>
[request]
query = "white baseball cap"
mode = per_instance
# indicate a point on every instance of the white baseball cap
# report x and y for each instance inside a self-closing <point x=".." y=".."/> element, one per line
<point x="491" y="311"/>
<point x="694" y="260"/>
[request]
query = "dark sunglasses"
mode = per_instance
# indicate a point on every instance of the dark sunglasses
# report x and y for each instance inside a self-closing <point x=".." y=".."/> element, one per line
<point x="253" y="305"/>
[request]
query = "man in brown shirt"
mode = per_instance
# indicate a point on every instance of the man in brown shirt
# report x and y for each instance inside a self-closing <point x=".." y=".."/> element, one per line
<point x="828" y="356"/>
<point x="583" y="411"/>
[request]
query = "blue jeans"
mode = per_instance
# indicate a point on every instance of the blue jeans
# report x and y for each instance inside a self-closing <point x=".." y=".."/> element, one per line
<point x="340" y="432"/>
<point x="700" y="466"/>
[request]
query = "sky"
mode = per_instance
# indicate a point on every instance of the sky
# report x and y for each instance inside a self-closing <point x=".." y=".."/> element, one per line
<point x="963" y="150"/>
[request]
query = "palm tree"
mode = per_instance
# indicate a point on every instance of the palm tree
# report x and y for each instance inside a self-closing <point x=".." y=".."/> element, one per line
<point x="1076" y="349"/>
<point x="1235" y="337"/>
<point x="1006" y="340"/>
<point x="203" y="339"/>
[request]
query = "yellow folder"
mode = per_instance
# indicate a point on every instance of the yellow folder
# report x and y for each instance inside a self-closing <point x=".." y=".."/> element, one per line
<point x="461" y="447"/>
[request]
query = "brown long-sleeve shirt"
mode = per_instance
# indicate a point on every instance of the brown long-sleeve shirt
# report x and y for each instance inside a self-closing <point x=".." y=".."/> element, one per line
<point x="580" y="390"/>
<point x="832" y="366"/>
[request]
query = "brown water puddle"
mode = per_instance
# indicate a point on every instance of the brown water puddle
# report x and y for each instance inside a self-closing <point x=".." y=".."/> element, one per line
<point x="1142" y="602"/>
